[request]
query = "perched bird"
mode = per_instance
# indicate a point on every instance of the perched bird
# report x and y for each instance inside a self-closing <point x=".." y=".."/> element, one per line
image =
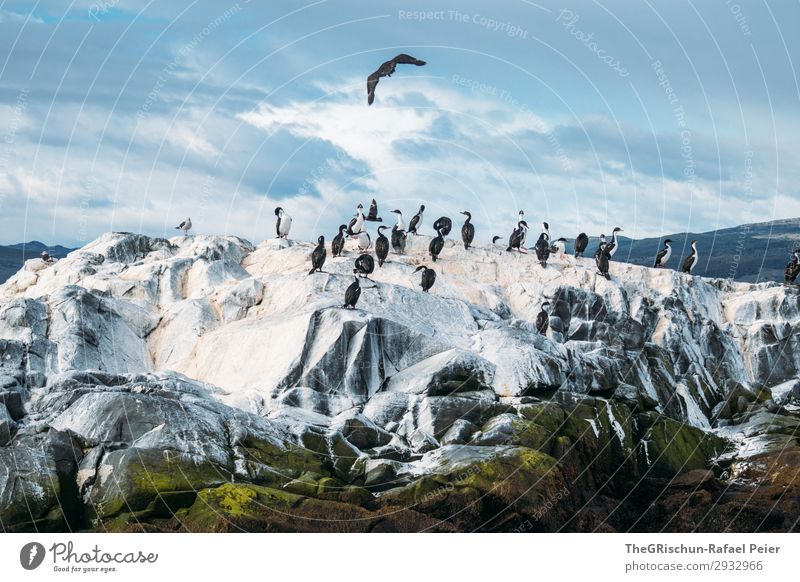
<point x="416" y="221"/>
<point x="543" y="319"/>
<point x="613" y="246"/>
<point x="185" y="226"/>
<point x="467" y="230"/>
<point x="364" y="266"/>
<point x="542" y="248"/>
<point x="792" y="268"/>
<point x="436" y="245"/>
<point x="517" y="238"/>
<point x="46" y="257"/>
<point x="372" y="216"/>
<point x="428" y="277"/>
<point x="399" y="234"/>
<point x="600" y="246"/>
<point x="386" y="70"/>
<point x="356" y="224"/>
<point x="444" y="224"/>
<point x="690" y="262"/>
<point x="337" y="244"/>
<point x="663" y="255"/>
<point x="559" y="247"/>
<point x="495" y="239"/>
<point x="580" y="244"/>
<point x="381" y="246"/>
<point x="602" y="260"/>
<point x="318" y="256"/>
<point x="283" y="224"/>
<point x="352" y="294"/>
<point x="364" y="241"/>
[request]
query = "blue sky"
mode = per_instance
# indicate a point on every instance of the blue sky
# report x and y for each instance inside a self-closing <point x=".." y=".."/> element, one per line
<point x="670" y="116"/>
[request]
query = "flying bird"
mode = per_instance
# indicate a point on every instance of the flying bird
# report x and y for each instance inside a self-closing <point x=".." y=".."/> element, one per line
<point x="185" y="226"/>
<point x="318" y="256"/>
<point x="387" y="70"/>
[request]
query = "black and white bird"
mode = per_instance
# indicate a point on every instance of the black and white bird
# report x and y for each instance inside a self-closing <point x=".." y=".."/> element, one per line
<point x="559" y="247"/>
<point x="387" y="70"/>
<point x="690" y="262"/>
<point x="546" y="230"/>
<point x="185" y="226"/>
<point x="580" y="244"/>
<point x="543" y="319"/>
<point x="399" y="234"/>
<point x="283" y="224"/>
<point x="356" y="224"/>
<point x="364" y="241"/>
<point x="603" y="261"/>
<point x="46" y="258"/>
<point x="352" y="294"/>
<point x="381" y="246"/>
<point x="542" y="248"/>
<point x="364" y="265"/>
<point x="372" y="216"/>
<point x="600" y="246"/>
<point x="792" y="268"/>
<point x="663" y="255"/>
<point x="416" y="221"/>
<point x="428" y="277"/>
<point x="443" y="224"/>
<point x="467" y="230"/>
<point x="318" y="256"/>
<point x="517" y="238"/>
<point x="436" y="245"/>
<point x="337" y="244"/>
<point x="613" y="246"/>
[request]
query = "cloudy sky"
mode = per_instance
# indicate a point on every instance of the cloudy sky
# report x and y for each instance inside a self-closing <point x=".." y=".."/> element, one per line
<point x="122" y="115"/>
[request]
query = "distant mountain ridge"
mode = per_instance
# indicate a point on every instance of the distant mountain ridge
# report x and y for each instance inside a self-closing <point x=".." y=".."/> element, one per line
<point x="12" y="257"/>
<point x="749" y="252"/>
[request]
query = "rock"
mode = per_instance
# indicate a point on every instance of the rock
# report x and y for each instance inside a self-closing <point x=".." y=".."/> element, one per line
<point x="459" y="432"/>
<point x="13" y="403"/>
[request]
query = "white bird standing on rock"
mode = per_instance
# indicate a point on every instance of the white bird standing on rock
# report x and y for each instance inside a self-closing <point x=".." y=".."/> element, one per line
<point x="283" y="224"/>
<point x="185" y="226"/>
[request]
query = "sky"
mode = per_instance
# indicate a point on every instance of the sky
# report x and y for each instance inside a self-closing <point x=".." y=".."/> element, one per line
<point x="656" y="116"/>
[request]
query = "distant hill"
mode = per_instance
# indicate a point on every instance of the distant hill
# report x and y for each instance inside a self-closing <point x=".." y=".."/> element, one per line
<point x="750" y="252"/>
<point x="12" y="257"/>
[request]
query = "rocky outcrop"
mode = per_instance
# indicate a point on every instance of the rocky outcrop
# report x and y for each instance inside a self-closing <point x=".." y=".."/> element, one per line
<point x="201" y="384"/>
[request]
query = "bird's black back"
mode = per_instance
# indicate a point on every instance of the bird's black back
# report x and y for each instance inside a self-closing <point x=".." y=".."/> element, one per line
<point x="467" y="234"/>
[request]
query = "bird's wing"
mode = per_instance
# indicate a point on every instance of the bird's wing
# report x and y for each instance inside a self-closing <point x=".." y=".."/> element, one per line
<point x="373" y="210"/>
<point x="660" y="255"/>
<point x="372" y="82"/>
<point x="404" y="59"/>
<point x="181" y="225"/>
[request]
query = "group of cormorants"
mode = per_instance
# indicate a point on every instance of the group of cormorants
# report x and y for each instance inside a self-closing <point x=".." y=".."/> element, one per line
<point x="544" y="248"/>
